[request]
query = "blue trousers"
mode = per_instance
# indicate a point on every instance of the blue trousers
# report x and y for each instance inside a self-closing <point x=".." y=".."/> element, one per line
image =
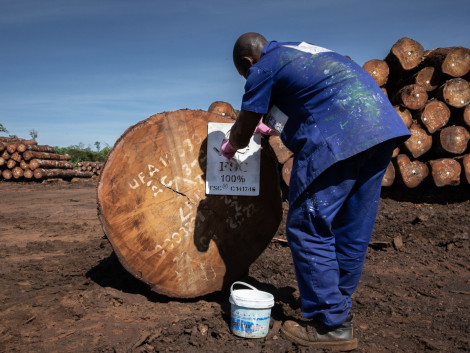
<point x="329" y="228"/>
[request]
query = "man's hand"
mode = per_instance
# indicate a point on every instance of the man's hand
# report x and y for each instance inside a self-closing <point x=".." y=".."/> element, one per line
<point x="227" y="150"/>
<point x="263" y="129"/>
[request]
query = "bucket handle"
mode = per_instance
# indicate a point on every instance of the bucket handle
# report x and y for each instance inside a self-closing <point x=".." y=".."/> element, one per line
<point x="243" y="284"/>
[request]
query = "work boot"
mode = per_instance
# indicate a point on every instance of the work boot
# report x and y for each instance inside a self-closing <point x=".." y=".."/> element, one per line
<point x="318" y="335"/>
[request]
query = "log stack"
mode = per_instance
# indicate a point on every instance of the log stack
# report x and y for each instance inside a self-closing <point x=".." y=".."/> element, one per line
<point x="430" y="91"/>
<point x="25" y="160"/>
<point x="93" y="167"/>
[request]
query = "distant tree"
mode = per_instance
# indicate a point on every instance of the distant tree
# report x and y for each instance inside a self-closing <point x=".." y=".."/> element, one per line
<point x="33" y="133"/>
<point x="98" y="145"/>
<point x="2" y="129"/>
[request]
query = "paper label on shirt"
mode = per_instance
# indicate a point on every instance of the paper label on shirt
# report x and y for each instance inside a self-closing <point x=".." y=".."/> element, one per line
<point x="276" y="119"/>
<point x="237" y="176"/>
<point x="308" y="48"/>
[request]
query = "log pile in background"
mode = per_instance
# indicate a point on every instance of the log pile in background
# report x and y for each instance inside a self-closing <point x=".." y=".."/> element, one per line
<point x="93" y="167"/>
<point x="25" y="160"/>
<point x="430" y="90"/>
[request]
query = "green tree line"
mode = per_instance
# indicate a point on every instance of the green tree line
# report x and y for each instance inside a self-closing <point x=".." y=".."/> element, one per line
<point x="80" y="153"/>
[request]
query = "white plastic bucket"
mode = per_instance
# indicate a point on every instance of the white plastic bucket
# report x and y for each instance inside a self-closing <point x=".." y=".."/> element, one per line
<point x="251" y="311"/>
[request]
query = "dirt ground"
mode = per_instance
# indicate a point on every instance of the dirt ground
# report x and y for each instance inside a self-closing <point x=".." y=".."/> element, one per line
<point x="63" y="290"/>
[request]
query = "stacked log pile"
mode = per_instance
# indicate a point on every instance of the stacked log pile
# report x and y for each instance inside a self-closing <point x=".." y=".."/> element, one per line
<point x="430" y="91"/>
<point x="25" y="160"/>
<point x="93" y="167"/>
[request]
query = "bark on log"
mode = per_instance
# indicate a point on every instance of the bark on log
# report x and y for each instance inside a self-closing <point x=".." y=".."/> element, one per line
<point x="434" y="116"/>
<point x="452" y="140"/>
<point x="389" y="177"/>
<point x="406" y="53"/>
<point x="287" y="170"/>
<point x="419" y="142"/>
<point x="412" y="173"/>
<point x="7" y="174"/>
<point x="455" y="92"/>
<point x="42" y="173"/>
<point x="378" y="69"/>
<point x="38" y="148"/>
<point x="28" y="155"/>
<point x="17" y="140"/>
<point x="453" y="61"/>
<point x="413" y="97"/>
<point x="28" y="174"/>
<point x="49" y="164"/>
<point x="445" y="171"/>
<point x="17" y="172"/>
<point x="163" y="227"/>
<point x="223" y="108"/>
<point x="405" y="115"/>
<point x="280" y="150"/>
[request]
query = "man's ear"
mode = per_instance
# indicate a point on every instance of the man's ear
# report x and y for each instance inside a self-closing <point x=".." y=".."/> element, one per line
<point x="247" y="62"/>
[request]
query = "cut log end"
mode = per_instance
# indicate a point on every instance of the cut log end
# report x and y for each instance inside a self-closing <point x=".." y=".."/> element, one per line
<point x="378" y="69"/>
<point x="445" y="171"/>
<point x="412" y="173"/>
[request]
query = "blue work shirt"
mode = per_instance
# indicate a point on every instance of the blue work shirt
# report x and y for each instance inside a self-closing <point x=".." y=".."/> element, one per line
<point x="335" y="109"/>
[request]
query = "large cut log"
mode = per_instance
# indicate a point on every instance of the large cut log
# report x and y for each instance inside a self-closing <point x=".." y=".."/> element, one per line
<point x="49" y="164"/>
<point x="412" y="173"/>
<point x="452" y="140"/>
<point x="455" y="92"/>
<point x="406" y="54"/>
<point x="453" y="61"/>
<point x="445" y="171"/>
<point x="405" y="115"/>
<point x="378" y="69"/>
<point x="413" y="97"/>
<point x="280" y="150"/>
<point x="28" y="155"/>
<point x="41" y="173"/>
<point x="434" y="116"/>
<point x="389" y="176"/>
<point x="163" y="227"/>
<point x="223" y="108"/>
<point x="39" y="148"/>
<point x="287" y="170"/>
<point x="419" y="142"/>
<point x="17" y="140"/>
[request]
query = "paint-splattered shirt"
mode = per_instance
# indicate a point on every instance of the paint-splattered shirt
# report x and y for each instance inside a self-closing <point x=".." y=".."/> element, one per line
<point x="334" y="107"/>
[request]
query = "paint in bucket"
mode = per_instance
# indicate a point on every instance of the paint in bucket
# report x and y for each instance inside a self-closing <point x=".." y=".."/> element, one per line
<point x="251" y="311"/>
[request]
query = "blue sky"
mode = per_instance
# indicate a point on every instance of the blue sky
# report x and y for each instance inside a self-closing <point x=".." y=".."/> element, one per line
<point x="85" y="70"/>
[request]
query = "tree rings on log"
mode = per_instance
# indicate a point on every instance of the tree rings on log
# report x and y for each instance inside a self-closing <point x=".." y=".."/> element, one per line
<point x="163" y="227"/>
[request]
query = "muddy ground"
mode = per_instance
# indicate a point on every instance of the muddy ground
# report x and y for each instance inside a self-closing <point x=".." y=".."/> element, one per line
<point x="63" y="290"/>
